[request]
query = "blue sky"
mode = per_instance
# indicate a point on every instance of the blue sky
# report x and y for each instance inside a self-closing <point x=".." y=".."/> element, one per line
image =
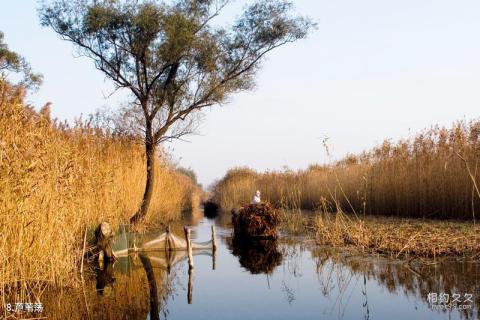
<point x="373" y="70"/>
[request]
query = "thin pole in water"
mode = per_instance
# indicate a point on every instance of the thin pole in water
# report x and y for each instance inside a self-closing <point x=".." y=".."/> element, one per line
<point x="214" y="243"/>
<point x="168" y="244"/>
<point x="214" y="247"/>
<point x="214" y="260"/>
<point x="190" y="286"/>
<point x="189" y="247"/>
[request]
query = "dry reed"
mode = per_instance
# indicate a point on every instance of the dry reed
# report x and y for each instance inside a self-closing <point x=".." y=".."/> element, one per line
<point x="431" y="175"/>
<point x="55" y="181"/>
<point x="399" y="237"/>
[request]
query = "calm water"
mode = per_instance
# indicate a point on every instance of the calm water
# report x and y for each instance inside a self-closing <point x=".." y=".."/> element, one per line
<point x="291" y="279"/>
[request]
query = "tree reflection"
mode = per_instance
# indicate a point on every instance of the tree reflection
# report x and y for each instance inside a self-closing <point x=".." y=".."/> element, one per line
<point x="152" y="286"/>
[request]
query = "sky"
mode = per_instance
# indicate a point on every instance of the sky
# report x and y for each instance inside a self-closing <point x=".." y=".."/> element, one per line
<point x="373" y="69"/>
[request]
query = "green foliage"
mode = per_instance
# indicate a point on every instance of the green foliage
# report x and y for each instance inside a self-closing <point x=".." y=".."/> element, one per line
<point x="170" y="56"/>
<point x="12" y="62"/>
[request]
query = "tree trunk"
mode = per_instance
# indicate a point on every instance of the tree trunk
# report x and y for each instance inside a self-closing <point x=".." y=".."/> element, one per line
<point x="147" y="195"/>
<point x="152" y="286"/>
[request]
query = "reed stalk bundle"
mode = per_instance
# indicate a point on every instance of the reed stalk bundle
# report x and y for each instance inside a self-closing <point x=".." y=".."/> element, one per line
<point x="256" y="221"/>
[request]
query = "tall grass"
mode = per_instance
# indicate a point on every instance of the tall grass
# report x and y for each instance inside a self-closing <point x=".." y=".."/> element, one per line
<point x="55" y="181"/>
<point x="398" y="237"/>
<point x="433" y="175"/>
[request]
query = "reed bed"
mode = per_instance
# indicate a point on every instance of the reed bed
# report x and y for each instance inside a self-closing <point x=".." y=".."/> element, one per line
<point x="433" y="174"/>
<point x="369" y="200"/>
<point x="55" y="181"/>
<point x="399" y="237"/>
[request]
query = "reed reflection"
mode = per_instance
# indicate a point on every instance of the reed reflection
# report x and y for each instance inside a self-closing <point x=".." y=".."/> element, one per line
<point x="414" y="278"/>
<point x="257" y="256"/>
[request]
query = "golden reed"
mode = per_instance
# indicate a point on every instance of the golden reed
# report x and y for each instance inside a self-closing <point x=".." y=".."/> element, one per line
<point x="55" y="181"/>
<point x="432" y="175"/>
<point x="368" y="200"/>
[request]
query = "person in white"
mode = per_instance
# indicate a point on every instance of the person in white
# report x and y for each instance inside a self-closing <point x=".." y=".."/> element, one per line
<point x="256" y="197"/>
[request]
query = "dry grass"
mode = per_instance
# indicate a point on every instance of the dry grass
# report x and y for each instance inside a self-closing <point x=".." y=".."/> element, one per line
<point x="236" y="188"/>
<point x="399" y="237"/>
<point x="55" y="181"/>
<point x="295" y="222"/>
<point x="256" y="220"/>
<point x="431" y="175"/>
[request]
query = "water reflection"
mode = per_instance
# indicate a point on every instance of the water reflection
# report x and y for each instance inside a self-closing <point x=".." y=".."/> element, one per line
<point x="414" y="279"/>
<point x="210" y="209"/>
<point x="152" y="286"/>
<point x="257" y="256"/>
<point x="290" y="278"/>
<point x="104" y="275"/>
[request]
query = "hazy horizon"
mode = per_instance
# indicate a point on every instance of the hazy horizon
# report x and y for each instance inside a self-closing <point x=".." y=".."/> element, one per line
<point x="372" y="70"/>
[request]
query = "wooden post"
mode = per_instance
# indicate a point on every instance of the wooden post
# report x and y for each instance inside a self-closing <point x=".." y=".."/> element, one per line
<point x="214" y="243"/>
<point x="214" y="260"/>
<point x="168" y="257"/>
<point x="190" y="286"/>
<point x="214" y="247"/>
<point x="189" y="247"/>
<point x="168" y="244"/>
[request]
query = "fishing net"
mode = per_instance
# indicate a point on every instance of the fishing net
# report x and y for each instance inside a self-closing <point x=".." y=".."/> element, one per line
<point x="160" y="259"/>
<point x="165" y="260"/>
<point x="171" y="242"/>
<point x="125" y="242"/>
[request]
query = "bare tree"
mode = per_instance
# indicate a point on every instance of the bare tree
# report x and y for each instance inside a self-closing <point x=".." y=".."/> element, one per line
<point x="172" y="57"/>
